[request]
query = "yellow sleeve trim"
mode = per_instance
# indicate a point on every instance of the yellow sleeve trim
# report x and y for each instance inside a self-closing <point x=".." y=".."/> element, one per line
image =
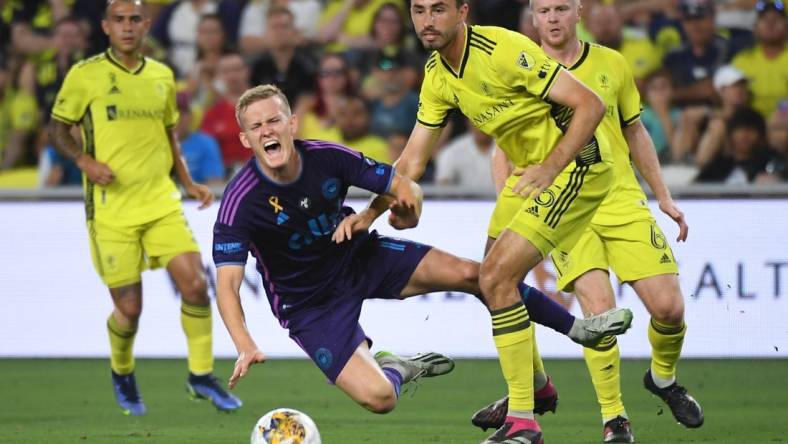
<point x="64" y="119"/>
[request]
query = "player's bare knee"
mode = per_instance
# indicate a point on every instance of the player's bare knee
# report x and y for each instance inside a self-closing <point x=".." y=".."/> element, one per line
<point x="130" y="311"/>
<point x="195" y="290"/>
<point x="668" y="314"/>
<point x="380" y="399"/>
<point x="469" y="273"/>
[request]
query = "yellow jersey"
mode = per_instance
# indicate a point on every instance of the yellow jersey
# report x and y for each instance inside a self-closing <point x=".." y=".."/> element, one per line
<point x="607" y="73"/>
<point x="768" y="78"/>
<point x="359" y="21"/>
<point x="124" y="115"/>
<point x="502" y="86"/>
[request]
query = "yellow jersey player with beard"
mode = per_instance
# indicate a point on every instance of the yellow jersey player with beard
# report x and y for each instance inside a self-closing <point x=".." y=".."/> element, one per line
<point x="623" y="235"/>
<point x="545" y="120"/>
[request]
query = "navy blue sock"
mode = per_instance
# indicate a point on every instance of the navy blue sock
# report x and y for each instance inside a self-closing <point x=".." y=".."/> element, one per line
<point x="394" y="377"/>
<point x="544" y="310"/>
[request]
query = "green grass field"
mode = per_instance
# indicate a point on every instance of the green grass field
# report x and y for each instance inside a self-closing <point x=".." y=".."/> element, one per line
<point x="70" y="401"/>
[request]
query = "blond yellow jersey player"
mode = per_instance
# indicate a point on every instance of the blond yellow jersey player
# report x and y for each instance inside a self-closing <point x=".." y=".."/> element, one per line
<point x="544" y="119"/>
<point x="623" y="235"/>
<point x="125" y="106"/>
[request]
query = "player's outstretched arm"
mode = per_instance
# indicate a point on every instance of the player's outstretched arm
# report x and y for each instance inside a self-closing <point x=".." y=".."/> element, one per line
<point x="588" y="112"/>
<point x="228" y="299"/>
<point x="193" y="189"/>
<point x="411" y="163"/>
<point x="64" y="142"/>
<point x="645" y="157"/>
<point x="406" y="206"/>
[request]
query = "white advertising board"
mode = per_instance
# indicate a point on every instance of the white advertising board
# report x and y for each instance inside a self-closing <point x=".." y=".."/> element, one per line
<point x="734" y="275"/>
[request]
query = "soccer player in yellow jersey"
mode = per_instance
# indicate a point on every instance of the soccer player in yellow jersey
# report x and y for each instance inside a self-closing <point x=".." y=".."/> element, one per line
<point x="623" y="234"/>
<point x="125" y="106"/>
<point x="545" y="120"/>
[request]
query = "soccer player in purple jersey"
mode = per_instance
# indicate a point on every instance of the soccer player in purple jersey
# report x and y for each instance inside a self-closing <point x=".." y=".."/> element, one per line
<point x="284" y="207"/>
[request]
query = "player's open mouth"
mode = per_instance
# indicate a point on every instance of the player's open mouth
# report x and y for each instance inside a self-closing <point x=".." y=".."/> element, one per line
<point x="271" y="147"/>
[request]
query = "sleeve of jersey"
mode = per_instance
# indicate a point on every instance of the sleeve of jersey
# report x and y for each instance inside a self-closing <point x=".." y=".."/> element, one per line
<point x="629" y="106"/>
<point x="73" y="98"/>
<point x="361" y="171"/>
<point x="521" y="62"/>
<point x="171" y="115"/>
<point x="433" y="111"/>
<point x="230" y="245"/>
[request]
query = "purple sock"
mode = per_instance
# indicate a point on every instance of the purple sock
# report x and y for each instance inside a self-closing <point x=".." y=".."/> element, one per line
<point x="544" y="310"/>
<point x="394" y="377"/>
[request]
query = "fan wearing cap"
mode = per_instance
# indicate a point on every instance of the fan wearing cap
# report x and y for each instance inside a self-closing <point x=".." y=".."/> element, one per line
<point x="394" y="105"/>
<point x="766" y="64"/>
<point x="732" y="88"/>
<point x="692" y="65"/>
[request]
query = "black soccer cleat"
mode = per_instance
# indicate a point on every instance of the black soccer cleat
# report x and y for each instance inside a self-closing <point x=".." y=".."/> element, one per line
<point x="510" y="434"/>
<point x="618" y="429"/>
<point x="493" y="416"/>
<point x="684" y="407"/>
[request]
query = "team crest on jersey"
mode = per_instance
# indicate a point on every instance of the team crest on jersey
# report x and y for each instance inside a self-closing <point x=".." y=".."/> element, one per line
<point x="525" y="60"/>
<point x="604" y="81"/>
<point x="544" y="69"/>
<point x="331" y="188"/>
<point x="305" y="203"/>
<point x="546" y="198"/>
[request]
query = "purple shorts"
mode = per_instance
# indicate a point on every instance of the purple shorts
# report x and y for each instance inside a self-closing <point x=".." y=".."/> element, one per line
<point x="330" y="333"/>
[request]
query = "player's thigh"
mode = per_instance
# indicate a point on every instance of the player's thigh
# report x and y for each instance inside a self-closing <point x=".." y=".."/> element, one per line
<point x="558" y="217"/>
<point x="166" y="238"/>
<point x="637" y="250"/>
<point x="364" y="381"/>
<point x="116" y="252"/>
<point x="441" y="271"/>
<point x="640" y="255"/>
<point x="384" y="268"/>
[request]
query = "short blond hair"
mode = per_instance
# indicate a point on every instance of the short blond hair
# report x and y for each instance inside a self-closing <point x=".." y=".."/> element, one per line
<point x="256" y="94"/>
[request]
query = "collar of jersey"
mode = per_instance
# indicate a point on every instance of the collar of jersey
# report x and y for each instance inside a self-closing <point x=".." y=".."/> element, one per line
<point x="583" y="55"/>
<point x="119" y="64"/>
<point x="297" y="144"/>
<point x="468" y="31"/>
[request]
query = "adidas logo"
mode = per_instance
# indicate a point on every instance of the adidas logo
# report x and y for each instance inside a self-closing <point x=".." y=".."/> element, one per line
<point x="114" y="90"/>
<point x="665" y="259"/>
<point x="534" y="211"/>
<point x="282" y="218"/>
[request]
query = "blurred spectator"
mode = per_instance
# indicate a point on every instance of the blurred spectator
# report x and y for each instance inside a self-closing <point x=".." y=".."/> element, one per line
<point x="69" y="44"/>
<point x="316" y="112"/>
<point x="394" y="105"/>
<point x="200" y="150"/>
<point x="176" y="28"/>
<point x="353" y="124"/>
<point x="31" y="23"/>
<point x="604" y="23"/>
<point x="255" y="31"/>
<point x="659" y="18"/>
<point x="211" y="44"/>
<point x="18" y="113"/>
<point x="219" y="120"/>
<point x="736" y="14"/>
<point x="746" y="155"/>
<point x="777" y="133"/>
<point x="55" y="170"/>
<point x="766" y="64"/>
<point x="659" y="116"/>
<point x="731" y="85"/>
<point x="284" y="64"/>
<point x="526" y="24"/>
<point x="390" y="35"/>
<point x="692" y="66"/>
<point x="466" y="161"/>
<point x="346" y="24"/>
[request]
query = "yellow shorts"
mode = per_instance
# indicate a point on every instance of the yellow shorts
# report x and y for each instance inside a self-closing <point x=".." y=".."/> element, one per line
<point x="121" y="254"/>
<point x="633" y="251"/>
<point x="558" y="216"/>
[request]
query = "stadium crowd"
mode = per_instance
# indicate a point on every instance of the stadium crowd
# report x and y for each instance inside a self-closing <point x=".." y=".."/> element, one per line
<point x="713" y="77"/>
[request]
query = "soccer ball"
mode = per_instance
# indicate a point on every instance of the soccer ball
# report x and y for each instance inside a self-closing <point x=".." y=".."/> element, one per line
<point x="285" y="426"/>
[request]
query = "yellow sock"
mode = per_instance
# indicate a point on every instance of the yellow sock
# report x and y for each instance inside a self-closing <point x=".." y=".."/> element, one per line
<point x="540" y="376"/>
<point x="121" y="343"/>
<point x="196" y="323"/>
<point x="666" y="341"/>
<point x="604" y="366"/>
<point x="512" y="331"/>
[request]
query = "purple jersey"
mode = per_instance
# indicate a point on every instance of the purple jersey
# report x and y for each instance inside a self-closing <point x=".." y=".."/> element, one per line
<point x="288" y="227"/>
